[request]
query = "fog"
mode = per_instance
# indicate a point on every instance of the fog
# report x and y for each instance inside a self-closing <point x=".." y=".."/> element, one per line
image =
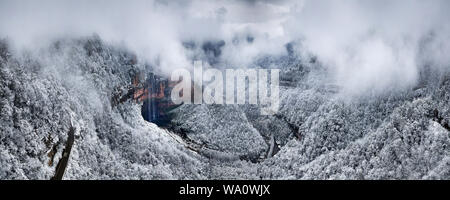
<point x="375" y="46"/>
<point x="369" y="46"/>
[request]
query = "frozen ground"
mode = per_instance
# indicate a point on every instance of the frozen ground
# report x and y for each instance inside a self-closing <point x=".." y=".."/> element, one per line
<point x="319" y="133"/>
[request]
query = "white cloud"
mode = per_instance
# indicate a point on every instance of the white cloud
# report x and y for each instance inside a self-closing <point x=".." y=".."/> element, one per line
<point x="372" y="45"/>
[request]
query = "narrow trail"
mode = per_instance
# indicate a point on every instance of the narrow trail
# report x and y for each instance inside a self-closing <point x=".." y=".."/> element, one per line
<point x="62" y="164"/>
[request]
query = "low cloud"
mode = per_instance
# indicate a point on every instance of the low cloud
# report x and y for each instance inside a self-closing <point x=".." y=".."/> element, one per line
<point x="370" y="46"/>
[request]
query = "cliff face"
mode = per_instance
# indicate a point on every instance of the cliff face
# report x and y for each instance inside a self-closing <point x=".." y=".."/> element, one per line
<point x="317" y="134"/>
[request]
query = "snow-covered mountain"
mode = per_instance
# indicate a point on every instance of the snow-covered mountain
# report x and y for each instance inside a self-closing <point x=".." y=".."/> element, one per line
<point x="317" y="134"/>
<point x="364" y="89"/>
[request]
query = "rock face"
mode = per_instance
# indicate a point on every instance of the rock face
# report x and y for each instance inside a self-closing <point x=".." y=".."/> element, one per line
<point x="155" y="95"/>
<point x="317" y="133"/>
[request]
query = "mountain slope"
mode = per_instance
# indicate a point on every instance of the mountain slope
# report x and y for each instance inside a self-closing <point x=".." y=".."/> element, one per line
<point x="317" y="134"/>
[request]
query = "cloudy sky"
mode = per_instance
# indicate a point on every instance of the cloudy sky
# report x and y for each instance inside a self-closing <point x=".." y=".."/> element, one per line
<point x="369" y="45"/>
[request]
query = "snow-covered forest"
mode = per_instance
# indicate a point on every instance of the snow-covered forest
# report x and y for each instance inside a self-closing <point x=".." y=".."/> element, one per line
<point x="364" y="89"/>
